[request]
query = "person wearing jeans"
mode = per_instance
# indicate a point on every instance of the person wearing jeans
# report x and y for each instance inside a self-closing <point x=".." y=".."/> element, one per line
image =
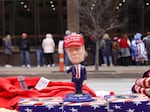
<point x="25" y="58"/>
<point x="40" y="57"/>
<point x="109" y="59"/>
<point x="25" y="51"/>
<point x="106" y="46"/>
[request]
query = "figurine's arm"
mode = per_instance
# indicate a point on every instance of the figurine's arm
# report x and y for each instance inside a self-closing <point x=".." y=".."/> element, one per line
<point x="69" y="70"/>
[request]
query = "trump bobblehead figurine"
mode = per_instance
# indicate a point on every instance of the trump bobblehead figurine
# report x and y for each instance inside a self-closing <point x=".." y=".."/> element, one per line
<point x="75" y="49"/>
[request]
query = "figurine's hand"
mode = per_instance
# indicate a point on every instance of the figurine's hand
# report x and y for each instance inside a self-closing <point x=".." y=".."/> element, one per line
<point x="85" y="82"/>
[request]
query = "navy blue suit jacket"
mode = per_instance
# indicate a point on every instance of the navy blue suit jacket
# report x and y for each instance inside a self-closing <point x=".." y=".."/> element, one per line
<point x="83" y="75"/>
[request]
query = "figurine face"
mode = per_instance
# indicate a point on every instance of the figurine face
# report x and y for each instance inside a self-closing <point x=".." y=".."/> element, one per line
<point x="76" y="53"/>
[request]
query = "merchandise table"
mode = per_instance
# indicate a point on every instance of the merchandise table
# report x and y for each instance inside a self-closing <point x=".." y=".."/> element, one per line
<point x="56" y="104"/>
<point x="116" y="103"/>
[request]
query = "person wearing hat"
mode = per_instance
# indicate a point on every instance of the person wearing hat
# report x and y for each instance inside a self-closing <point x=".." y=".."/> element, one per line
<point x="75" y="49"/>
<point x="139" y="54"/>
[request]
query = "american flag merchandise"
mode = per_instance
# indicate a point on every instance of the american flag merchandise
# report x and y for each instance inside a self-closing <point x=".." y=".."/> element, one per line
<point x="115" y="103"/>
<point x="49" y="104"/>
<point x="129" y="103"/>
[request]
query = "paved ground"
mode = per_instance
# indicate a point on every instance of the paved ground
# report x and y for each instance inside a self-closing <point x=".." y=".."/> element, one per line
<point x="119" y="79"/>
<point x="118" y="85"/>
<point x="53" y="72"/>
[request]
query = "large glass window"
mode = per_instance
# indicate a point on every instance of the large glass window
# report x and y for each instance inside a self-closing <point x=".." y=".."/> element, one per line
<point x="35" y="17"/>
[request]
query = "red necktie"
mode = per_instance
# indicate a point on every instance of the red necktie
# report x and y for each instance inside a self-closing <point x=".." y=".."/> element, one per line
<point x="77" y="72"/>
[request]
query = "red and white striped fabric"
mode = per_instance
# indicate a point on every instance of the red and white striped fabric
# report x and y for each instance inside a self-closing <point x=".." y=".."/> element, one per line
<point x="142" y="85"/>
<point x="142" y="90"/>
<point x="143" y="82"/>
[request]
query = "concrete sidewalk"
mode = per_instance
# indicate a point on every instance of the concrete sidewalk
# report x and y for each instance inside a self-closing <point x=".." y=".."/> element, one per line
<point x="53" y="72"/>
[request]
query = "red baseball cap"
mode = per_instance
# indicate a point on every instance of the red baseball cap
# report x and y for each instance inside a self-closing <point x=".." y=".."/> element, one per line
<point x="73" y="39"/>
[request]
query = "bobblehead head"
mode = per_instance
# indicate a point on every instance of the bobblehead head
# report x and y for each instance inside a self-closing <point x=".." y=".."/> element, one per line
<point x="74" y="45"/>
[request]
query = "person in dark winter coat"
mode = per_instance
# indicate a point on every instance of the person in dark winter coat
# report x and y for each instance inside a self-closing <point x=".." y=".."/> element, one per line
<point x="25" y="51"/>
<point x="106" y="44"/>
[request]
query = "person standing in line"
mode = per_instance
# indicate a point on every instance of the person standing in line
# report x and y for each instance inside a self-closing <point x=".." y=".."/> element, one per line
<point x="146" y="41"/>
<point x="140" y="51"/>
<point x="106" y="46"/>
<point x="7" y="49"/>
<point x="39" y="53"/>
<point x="25" y="51"/>
<point x="48" y="46"/>
<point x="125" y="49"/>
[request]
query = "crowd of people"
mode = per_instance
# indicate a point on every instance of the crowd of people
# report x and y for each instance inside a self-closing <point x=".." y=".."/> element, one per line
<point x="113" y="50"/>
<point x="44" y="52"/>
<point x="123" y="50"/>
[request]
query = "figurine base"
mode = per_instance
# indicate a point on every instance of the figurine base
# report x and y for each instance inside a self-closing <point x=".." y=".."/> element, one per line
<point x="78" y="98"/>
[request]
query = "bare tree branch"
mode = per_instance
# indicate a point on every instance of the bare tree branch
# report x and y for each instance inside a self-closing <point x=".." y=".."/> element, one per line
<point x="99" y="16"/>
